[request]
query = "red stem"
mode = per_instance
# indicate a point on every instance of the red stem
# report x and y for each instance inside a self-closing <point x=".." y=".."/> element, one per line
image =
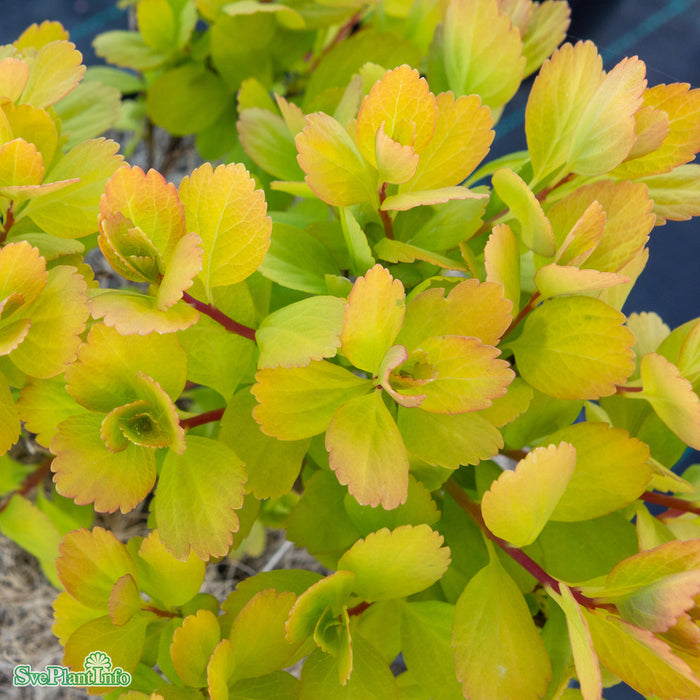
<point x="202" y="418"/>
<point x="628" y="389"/>
<point x="532" y="302"/>
<point x="384" y="215"/>
<point x="9" y="221"/>
<point x="221" y="318"/>
<point x="30" y="481"/>
<point x="359" y="608"/>
<point x="471" y="508"/>
<point x="671" y="502"/>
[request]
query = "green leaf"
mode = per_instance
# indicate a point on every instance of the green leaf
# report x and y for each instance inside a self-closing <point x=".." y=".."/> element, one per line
<point x="298" y="260"/>
<point x="278" y="685"/>
<point x="394" y="564"/>
<point x="356" y="243"/>
<point x="128" y="50"/>
<point x="398" y="251"/>
<point x="499" y="653"/>
<point x="371" y="678"/>
<point x="230" y="216"/>
<point x="105" y="375"/>
<point x="164" y="577"/>
<point x="272" y="465"/>
<point x="335" y="170"/>
<point x="418" y="508"/>
<point x="535" y="228"/>
<point x="373" y="318"/>
<point x="559" y="351"/>
<point x="367" y="453"/>
<point x="174" y="99"/>
<point x="426" y="629"/>
<point x="193" y="512"/>
<point x="269" y="143"/>
<point x="301" y="332"/>
<point x="298" y="402"/>
<point x="322" y="501"/>
<point x="10" y="427"/>
<point x="330" y="593"/>
<point x="482" y="51"/>
<point x="23" y="523"/>
<point x="595" y="489"/>
<point x="519" y="503"/>
<point x="449" y="440"/>
<point x="71" y="212"/>
<point x="192" y="646"/>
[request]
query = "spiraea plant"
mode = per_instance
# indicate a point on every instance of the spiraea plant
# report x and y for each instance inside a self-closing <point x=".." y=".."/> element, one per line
<point x="410" y="358"/>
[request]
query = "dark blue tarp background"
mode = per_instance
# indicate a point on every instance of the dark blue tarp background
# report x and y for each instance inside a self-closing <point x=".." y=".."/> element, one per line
<point x="665" y="34"/>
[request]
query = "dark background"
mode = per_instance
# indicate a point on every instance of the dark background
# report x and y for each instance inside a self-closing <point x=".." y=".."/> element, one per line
<point x="663" y="33"/>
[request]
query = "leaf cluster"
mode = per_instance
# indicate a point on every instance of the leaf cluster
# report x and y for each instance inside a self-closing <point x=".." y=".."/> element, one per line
<point x="413" y="361"/>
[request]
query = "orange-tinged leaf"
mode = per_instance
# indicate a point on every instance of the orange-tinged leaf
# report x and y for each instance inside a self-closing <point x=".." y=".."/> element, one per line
<point x="393" y="358"/>
<point x="193" y="512"/>
<point x="585" y="658"/>
<point x="652" y="126"/>
<point x="90" y="563"/>
<point x="461" y="140"/>
<point x="402" y="105"/>
<point x="180" y="271"/>
<point x="133" y="313"/>
<point x="258" y="635"/>
<point x="595" y="489"/>
<point x="299" y="402"/>
<point x="682" y="107"/>
<point x="559" y="351"/>
<point x="482" y="51"/>
<point x="10" y="427"/>
<point x="469" y="375"/>
<point x="502" y="262"/>
<point x="553" y="280"/>
<point x="396" y="164"/>
<point x="373" y="318"/>
<point x="20" y="164"/>
<point x="672" y="397"/>
<point x="640" y="659"/>
<point x="471" y="309"/>
<point x="149" y="202"/>
<point x="230" y="216"/>
<point x="58" y="317"/>
<point x="577" y="117"/>
<point x="192" y="646"/>
<point x="605" y="132"/>
<point x="54" y="71"/>
<point x="510" y="659"/>
<point x="535" y="227"/>
<point x="366" y="452"/>
<point x="397" y="563"/>
<point x="519" y="503"/>
<point x="408" y="200"/>
<point x="23" y="271"/>
<point x="576" y="246"/>
<point x="86" y="471"/>
<point x="14" y="74"/>
<point x="335" y="169"/>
